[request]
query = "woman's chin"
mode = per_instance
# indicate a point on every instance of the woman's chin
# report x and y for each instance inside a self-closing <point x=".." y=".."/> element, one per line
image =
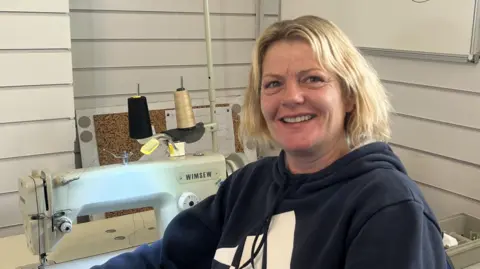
<point x="296" y="146"/>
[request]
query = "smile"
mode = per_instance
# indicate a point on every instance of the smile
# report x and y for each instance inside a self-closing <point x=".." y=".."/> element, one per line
<point x="297" y="119"/>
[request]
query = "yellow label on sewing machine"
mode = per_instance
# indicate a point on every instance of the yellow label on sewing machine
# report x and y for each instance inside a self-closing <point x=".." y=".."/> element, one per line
<point x="179" y="151"/>
<point x="171" y="149"/>
<point x="150" y="146"/>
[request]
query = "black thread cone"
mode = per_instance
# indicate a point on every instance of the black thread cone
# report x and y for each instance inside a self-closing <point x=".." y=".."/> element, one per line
<point x="139" y="118"/>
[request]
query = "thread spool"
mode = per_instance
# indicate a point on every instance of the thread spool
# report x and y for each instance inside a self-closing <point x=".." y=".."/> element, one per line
<point x="183" y="108"/>
<point x="139" y="123"/>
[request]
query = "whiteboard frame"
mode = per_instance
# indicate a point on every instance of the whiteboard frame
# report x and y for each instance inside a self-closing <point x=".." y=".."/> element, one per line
<point x="473" y="57"/>
<point x="470" y="58"/>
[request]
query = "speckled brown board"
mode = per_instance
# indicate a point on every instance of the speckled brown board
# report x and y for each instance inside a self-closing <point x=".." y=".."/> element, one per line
<point x="112" y="135"/>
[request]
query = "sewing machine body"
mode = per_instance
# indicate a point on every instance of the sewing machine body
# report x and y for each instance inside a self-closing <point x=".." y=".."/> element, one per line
<point x="50" y="203"/>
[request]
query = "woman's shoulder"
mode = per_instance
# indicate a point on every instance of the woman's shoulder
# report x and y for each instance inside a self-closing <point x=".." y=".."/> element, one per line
<point x="392" y="186"/>
<point x="384" y="188"/>
<point x="391" y="197"/>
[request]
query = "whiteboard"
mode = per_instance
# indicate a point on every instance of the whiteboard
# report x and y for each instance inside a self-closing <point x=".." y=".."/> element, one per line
<point x="432" y="26"/>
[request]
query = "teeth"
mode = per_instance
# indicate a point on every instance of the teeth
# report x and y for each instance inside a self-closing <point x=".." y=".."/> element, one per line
<point x="298" y="119"/>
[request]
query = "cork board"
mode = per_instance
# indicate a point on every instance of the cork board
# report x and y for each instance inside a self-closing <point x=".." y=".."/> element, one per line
<point x="111" y="133"/>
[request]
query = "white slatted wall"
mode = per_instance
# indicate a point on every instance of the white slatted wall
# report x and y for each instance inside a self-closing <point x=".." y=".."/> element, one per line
<point x="436" y="131"/>
<point x="117" y="44"/>
<point x="37" y="127"/>
<point x="436" y="128"/>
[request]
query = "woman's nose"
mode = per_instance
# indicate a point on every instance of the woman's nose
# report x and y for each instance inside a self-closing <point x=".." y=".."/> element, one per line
<point x="293" y="94"/>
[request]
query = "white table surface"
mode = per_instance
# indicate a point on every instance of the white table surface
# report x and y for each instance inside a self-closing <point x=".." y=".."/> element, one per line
<point x="86" y="240"/>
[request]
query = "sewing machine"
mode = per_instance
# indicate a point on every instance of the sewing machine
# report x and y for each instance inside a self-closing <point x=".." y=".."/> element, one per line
<point x="51" y="202"/>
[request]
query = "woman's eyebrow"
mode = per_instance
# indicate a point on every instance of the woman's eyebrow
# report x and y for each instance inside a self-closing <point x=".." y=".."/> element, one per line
<point x="271" y="75"/>
<point x="303" y="72"/>
<point x="299" y="72"/>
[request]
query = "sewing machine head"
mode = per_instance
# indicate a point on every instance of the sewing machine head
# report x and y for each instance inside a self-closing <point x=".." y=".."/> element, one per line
<point x="51" y="202"/>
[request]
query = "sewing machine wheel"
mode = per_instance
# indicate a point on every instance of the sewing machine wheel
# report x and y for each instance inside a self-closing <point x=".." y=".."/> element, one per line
<point x="235" y="161"/>
<point x="187" y="200"/>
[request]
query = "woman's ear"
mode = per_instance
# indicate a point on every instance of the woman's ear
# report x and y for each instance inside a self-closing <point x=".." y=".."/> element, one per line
<point x="348" y="97"/>
<point x="346" y="120"/>
<point x="349" y="104"/>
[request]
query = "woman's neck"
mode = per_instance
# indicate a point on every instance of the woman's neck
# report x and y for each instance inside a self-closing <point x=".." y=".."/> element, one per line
<point x="316" y="160"/>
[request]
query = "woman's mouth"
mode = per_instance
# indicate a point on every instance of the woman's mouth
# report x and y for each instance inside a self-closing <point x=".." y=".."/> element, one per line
<point x="297" y="119"/>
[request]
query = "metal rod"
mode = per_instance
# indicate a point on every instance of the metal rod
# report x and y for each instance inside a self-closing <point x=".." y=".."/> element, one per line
<point x="475" y="33"/>
<point x="259" y="17"/>
<point x="138" y="89"/>
<point x="211" y="89"/>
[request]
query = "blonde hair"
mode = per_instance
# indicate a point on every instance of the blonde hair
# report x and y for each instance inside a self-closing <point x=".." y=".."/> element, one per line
<point x="369" y="119"/>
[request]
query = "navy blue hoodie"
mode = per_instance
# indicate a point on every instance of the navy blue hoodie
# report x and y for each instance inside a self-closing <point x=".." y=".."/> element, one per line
<point x="362" y="211"/>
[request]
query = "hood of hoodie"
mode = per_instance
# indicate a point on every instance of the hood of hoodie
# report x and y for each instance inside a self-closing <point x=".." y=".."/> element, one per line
<point x="357" y="162"/>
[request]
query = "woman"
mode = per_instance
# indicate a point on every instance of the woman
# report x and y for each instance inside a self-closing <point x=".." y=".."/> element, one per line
<point x="335" y="197"/>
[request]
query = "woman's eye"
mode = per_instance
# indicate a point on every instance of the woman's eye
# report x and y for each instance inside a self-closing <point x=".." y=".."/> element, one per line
<point x="272" y="84"/>
<point x="314" y="79"/>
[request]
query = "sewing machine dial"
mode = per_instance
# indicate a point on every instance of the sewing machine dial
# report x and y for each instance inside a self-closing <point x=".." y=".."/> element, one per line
<point x="187" y="200"/>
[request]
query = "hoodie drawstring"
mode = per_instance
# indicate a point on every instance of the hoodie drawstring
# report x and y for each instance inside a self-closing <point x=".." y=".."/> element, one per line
<point x="264" y="229"/>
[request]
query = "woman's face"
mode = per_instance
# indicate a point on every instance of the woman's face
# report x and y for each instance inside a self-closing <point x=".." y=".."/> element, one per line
<point x="302" y="104"/>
